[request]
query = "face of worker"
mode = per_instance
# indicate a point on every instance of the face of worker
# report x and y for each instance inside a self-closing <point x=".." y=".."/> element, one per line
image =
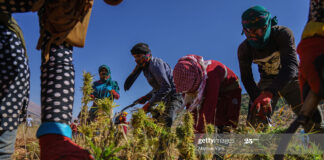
<point x="254" y="33"/>
<point x="139" y="58"/>
<point x="104" y="74"/>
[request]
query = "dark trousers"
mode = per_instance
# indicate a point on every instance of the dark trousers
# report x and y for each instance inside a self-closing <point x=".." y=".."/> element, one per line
<point x="172" y="102"/>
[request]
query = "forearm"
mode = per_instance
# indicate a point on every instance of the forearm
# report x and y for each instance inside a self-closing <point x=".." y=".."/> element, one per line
<point x="149" y="95"/>
<point x="248" y="80"/>
<point x="250" y="86"/>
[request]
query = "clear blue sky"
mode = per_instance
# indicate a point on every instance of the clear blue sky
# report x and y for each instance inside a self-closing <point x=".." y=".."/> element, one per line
<point x="172" y="28"/>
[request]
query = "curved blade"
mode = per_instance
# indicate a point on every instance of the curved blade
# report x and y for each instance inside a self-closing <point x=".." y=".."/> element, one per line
<point x="117" y="115"/>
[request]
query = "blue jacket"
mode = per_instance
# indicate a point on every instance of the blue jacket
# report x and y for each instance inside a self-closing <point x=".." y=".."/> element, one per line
<point x="159" y="75"/>
<point x="102" y="89"/>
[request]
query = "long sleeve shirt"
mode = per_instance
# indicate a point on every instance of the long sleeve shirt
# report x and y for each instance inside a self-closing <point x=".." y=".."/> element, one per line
<point x="103" y="89"/>
<point x="278" y="61"/>
<point x="219" y="108"/>
<point x="159" y="75"/>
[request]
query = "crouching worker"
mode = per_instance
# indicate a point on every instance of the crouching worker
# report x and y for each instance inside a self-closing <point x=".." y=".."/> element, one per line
<point x="103" y="88"/>
<point x="159" y="75"/>
<point x="272" y="47"/>
<point x="212" y="91"/>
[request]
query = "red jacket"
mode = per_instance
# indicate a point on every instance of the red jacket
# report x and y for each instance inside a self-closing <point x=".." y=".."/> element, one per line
<point x="218" y="108"/>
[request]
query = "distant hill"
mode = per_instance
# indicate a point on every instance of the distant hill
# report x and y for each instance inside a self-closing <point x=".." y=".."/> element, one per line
<point x="35" y="111"/>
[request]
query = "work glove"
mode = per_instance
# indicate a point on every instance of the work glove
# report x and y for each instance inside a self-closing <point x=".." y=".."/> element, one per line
<point x="261" y="107"/>
<point x="115" y="94"/>
<point x="54" y="146"/>
<point x="146" y="107"/>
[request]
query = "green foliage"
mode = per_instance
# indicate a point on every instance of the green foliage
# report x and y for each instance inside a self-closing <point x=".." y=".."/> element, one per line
<point x="311" y="152"/>
<point x="105" y="153"/>
<point x="185" y="134"/>
<point x="33" y="150"/>
<point x="100" y="136"/>
<point x="149" y="138"/>
<point x="87" y="91"/>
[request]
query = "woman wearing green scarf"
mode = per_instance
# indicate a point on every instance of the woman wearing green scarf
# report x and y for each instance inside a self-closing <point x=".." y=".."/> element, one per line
<point x="103" y="88"/>
<point x="273" y="49"/>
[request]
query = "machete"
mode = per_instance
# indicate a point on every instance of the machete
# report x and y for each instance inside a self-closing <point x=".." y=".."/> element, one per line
<point x="129" y="106"/>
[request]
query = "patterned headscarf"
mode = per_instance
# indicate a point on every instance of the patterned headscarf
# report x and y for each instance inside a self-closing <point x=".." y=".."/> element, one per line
<point x="190" y="75"/>
<point x="139" y="48"/>
<point x="258" y="17"/>
<point x="187" y="75"/>
<point x="108" y="71"/>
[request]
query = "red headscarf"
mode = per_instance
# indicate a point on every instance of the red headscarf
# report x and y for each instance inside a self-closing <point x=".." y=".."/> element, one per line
<point x="187" y="74"/>
<point x="190" y="75"/>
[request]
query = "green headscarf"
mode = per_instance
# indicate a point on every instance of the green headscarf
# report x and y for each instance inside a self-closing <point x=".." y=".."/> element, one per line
<point x="108" y="71"/>
<point x="258" y="17"/>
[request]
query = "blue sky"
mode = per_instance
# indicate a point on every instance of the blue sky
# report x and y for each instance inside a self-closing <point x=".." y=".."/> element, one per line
<point x="172" y="28"/>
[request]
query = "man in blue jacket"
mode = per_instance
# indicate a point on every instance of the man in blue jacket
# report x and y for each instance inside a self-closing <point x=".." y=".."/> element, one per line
<point x="159" y="75"/>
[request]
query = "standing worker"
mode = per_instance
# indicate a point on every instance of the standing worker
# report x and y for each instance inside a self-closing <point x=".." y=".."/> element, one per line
<point x="103" y="88"/>
<point x="63" y="24"/>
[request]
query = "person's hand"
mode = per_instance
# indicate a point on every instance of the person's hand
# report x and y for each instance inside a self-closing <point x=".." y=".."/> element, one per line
<point x="263" y="99"/>
<point x="54" y="146"/>
<point x="261" y="111"/>
<point x="113" y="2"/>
<point x="115" y="94"/>
<point x="92" y="97"/>
<point x="146" y="107"/>
<point x="261" y="107"/>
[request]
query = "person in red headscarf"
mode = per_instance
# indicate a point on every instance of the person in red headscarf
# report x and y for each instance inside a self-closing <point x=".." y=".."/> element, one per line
<point x="212" y="91"/>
